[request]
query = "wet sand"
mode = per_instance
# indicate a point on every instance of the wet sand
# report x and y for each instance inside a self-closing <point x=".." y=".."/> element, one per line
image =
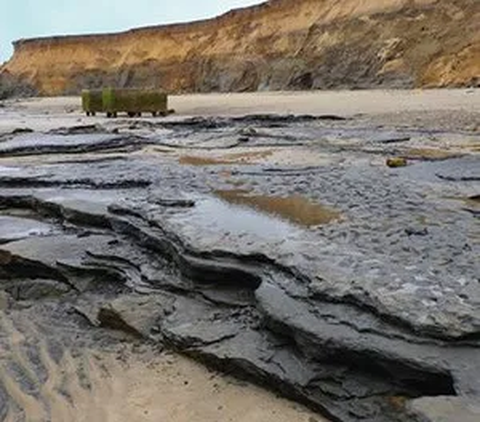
<point x="168" y="387"/>
<point x="175" y="389"/>
<point x="121" y="383"/>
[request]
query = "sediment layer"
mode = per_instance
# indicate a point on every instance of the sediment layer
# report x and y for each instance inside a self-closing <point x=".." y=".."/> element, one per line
<point x="278" y="45"/>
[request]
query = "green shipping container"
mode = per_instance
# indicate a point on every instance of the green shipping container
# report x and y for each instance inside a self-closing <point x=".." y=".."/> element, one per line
<point x="134" y="102"/>
<point x="92" y="101"/>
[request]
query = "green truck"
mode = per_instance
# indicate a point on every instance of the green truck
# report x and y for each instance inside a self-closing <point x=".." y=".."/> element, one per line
<point x="134" y="102"/>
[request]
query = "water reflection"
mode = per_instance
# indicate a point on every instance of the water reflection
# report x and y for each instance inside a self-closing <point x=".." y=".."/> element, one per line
<point x="295" y="208"/>
<point x="237" y="158"/>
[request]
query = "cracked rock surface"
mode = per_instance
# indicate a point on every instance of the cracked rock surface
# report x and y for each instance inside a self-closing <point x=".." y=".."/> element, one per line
<point x="277" y="248"/>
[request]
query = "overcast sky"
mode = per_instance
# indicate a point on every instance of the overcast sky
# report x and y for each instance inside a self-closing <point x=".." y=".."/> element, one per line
<point x="33" y="18"/>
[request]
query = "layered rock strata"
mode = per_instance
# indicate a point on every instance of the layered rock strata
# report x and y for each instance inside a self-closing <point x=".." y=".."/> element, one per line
<point x="278" y="45"/>
<point x="372" y="314"/>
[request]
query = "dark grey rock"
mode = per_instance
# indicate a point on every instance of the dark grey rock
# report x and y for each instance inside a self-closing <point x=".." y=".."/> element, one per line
<point x="136" y="314"/>
<point x="35" y="289"/>
<point x="5" y="301"/>
<point x="67" y="143"/>
<point x="354" y="318"/>
<point x="445" y="409"/>
<point x="12" y="86"/>
<point x="15" y="228"/>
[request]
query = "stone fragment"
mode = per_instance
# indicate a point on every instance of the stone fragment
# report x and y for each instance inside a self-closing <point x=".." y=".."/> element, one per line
<point x="444" y="409"/>
<point x="4" y="301"/>
<point x="137" y="315"/>
<point x="396" y="162"/>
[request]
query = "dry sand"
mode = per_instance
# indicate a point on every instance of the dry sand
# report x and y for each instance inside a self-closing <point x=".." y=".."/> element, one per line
<point x="49" y="113"/>
<point x="344" y="103"/>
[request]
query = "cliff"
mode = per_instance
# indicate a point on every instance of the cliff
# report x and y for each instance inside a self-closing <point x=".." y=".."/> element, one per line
<point x="280" y="44"/>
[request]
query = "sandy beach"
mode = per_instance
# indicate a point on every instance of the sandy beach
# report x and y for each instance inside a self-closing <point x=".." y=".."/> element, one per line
<point x="400" y="105"/>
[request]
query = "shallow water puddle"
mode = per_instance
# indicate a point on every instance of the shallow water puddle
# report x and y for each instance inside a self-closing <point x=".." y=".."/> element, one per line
<point x="15" y="228"/>
<point x="295" y="208"/>
<point x="473" y="202"/>
<point x="237" y="158"/>
<point x="215" y="215"/>
<point x="7" y="170"/>
<point x="201" y="161"/>
<point x="473" y="146"/>
<point x="430" y="154"/>
<point x="20" y="212"/>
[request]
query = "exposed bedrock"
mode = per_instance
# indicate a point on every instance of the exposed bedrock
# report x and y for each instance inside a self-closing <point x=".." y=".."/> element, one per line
<point x="372" y="316"/>
<point x="14" y="86"/>
<point x="278" y="45"/>
<point x="241" y="313"/>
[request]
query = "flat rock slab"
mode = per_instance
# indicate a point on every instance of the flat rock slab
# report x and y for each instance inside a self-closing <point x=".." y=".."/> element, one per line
<point x="139" y="315"/>
<point x="35" y="144"/>
<point x="408" y="295"/>
<point x="445" y="409"/>
<point x="356" y="314"/>
<point x="15" y="228"/>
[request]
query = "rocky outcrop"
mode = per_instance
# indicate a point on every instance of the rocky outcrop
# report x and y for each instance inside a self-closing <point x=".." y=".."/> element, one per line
<point x="13" y="86"/>
<point x="372" y="316"/>
<point x="281" y="44"/>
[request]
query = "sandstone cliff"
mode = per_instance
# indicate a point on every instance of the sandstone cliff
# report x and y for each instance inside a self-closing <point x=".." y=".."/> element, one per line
<point x="281" y="44"/>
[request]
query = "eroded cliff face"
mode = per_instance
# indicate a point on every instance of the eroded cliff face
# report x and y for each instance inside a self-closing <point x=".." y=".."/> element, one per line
<point x="281" y="44"/>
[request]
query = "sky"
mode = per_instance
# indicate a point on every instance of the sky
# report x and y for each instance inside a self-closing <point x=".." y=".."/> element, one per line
<point x="34" y="18"/>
